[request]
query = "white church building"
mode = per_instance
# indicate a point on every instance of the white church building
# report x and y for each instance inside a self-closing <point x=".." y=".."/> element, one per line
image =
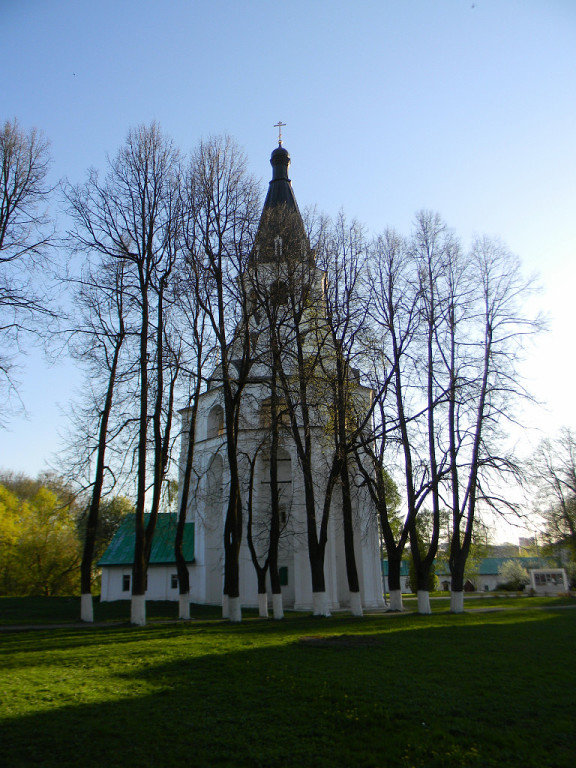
<point x="208" y="499"/>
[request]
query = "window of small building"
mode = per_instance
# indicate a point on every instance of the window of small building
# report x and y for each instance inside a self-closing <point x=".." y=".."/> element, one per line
<point x="283" y="575"/>
<point x="215" y="426"/>
<point x="173" y="581"/>
<point x="126" y="582"/>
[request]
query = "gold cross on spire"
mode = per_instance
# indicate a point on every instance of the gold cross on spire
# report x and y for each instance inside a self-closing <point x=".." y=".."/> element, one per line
<point x="279" y="125"/>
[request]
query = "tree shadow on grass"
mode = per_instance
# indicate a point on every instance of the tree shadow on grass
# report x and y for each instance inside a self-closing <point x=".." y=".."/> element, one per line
<point x="466" y="694"/>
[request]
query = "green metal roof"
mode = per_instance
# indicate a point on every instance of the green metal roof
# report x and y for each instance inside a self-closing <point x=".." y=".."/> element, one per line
<point x="404" y="568"/>
<point x="120" y="551"/>
<point x="488" y="566"/>
<point x="492" y="565"/>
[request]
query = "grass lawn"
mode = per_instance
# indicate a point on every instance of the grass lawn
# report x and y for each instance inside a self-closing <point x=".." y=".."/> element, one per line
<point x="480" y="689"/>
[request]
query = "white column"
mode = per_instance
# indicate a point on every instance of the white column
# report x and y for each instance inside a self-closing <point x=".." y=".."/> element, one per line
<point x="277" y="606"/>
<point x="356" y="604"/>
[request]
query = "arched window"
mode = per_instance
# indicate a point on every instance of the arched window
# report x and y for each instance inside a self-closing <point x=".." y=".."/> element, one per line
<point x="215" y="426"/>
<point x="214" y="483"/>
<point x="266" y="413"/>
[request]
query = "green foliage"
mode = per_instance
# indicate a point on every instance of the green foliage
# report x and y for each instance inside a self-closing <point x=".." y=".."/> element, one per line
<point x="111" y="513"/>
<point x="39" y="544"/>
<point x="513" y="575"/>
<point x="571" y="573"/>
<point x="433" y="581"/>
<point x="210" y="694"/>
<point x="391" y="493"/>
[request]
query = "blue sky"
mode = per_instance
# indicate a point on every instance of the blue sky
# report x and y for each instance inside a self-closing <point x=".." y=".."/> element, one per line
<point x="465" y="107"/>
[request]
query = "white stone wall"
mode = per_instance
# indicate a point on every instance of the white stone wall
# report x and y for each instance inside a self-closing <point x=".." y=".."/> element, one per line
<point x="208" y="514"/>
<point x="159" y="583"/>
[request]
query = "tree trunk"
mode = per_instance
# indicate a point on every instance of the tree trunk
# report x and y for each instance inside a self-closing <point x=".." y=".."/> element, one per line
<point x="92" y="522"/>
<point x="395" y="600"/>
<point x="457" y="566"/>
<point x="181" y="565"/>
<point x="424" y="601"/>
<point x="86" y="607"/>
<point x="184" y="605"/>
<point x="350" y="555"/>
<point x="394" y="588"/>
<point x="457" y="601"/>
<point x="263" y="604"/>
<point x="234" y="609"/>
<point x="138" y="610"/>
<point x="138" y="607"/>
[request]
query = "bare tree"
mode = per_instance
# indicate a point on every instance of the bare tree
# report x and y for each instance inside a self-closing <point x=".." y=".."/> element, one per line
<point x="552" y="470"/>
<point x="223" y="202"/>
<point x="196" y="353"/>
<point x="133" y="217"/>
<point x="24" y="237"/>
<point x="487" y="327"/>
<point x="400" y="405"/>
<point x="268" y="313"/>
<point x="103" y="333"/>
<point x="432" y="247"/>
<point x="451" y="326"/>
<point x="342" y="255"/>
<point x="296" y="319"/>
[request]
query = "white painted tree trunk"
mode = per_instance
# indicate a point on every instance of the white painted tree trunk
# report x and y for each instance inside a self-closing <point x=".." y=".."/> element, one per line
<point x="263" y="605"/>
<point x="234" y="610"/>
<point x="277" y="606"/>
<point x="184" y="606"/>
<point x="424" y="601"/>
<point x="86" y="608"/>
<point x="395" y="600"/>
<point x="457" y="602"/>
<point x="138" y="610"/>
<point x="225" y="607"/>
<point x="356" y="604"/>
<point x="320" y="605"/>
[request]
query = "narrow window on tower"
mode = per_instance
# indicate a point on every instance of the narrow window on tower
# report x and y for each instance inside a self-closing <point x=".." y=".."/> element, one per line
<point x="278" y="247"/>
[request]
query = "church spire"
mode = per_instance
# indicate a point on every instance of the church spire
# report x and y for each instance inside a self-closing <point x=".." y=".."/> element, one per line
<point x="281" y="234"/>
<point x="280" y="188"/>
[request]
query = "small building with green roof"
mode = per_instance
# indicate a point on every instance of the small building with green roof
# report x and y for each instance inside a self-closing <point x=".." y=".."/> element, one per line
<point x="118" y="559"/>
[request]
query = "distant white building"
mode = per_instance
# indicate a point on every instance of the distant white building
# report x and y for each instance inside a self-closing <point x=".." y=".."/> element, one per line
<point x="162" y="579"/>
<point x="548" y="581"/>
